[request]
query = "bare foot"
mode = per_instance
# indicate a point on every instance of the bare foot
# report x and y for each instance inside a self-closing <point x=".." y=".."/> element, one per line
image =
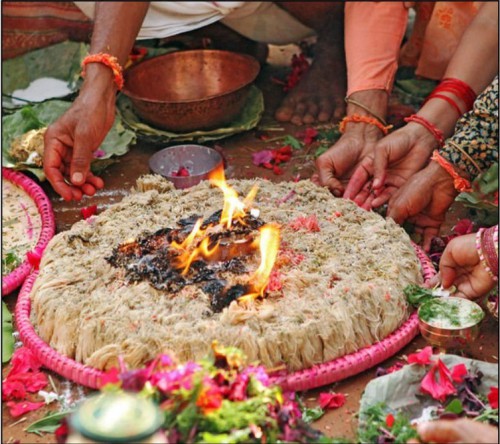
<point x="319" y="96"/>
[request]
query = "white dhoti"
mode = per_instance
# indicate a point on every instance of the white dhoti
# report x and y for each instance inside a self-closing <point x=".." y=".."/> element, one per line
<point x="259" y="21"/>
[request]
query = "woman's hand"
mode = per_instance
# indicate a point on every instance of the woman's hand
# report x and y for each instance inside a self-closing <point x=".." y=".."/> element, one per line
<point x="460" y="266"/>
<point x="462" y="430"/>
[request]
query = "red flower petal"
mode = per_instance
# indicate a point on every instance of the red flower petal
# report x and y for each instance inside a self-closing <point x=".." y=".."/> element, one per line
<point x="13" y="390"/>
<point x="31" y="381"/>
<point x="34" y="257"/>
<point x="493" y="397"/>
<point x="331" y="400"/>
<point x="62" y="432"/>
<point x="88" y="211"/>
<point x="112" y="376"/>
<point x="463" y="226"/>
<point x="277" y="170"/>
<point x="389" y="420"/>
<point x="437" y="382"/>
<point x="20" y="408"/>
<point x="422" y="357"/>
<point x="23" y="360"/>
<point x="458" y="372"/>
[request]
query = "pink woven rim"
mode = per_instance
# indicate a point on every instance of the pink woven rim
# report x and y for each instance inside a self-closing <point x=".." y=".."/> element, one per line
<point x="17" y="276"/>
<point x="313" y="377"/>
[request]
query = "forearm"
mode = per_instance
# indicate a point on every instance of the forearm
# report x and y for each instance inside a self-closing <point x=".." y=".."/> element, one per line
<point x="116" y="27"/>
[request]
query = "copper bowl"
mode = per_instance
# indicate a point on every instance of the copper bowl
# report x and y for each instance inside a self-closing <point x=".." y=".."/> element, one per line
<point x="451" y="337"/>
<point x="191" y="90"/>
<point x="199" y="160"/>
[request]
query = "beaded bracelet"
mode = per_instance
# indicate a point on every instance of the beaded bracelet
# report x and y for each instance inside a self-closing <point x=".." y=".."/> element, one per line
<point x="363" y="119"/>
<point x="108" y="60"/>
<point x="479" y="237"/>
<point x="460" y="184"/>
<point x="433" y="129"/>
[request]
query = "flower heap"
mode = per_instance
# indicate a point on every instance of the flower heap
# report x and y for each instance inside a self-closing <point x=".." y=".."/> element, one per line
<point x="219" y="399"/>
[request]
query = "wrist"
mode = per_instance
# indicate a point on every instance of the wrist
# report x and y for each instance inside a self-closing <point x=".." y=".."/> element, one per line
<point x="440" y="114"/>
<point x="374" y="99"/>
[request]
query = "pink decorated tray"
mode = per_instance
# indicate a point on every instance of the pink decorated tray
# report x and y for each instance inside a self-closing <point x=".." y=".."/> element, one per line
<point x="313" y="377"/>
<point x="17" y="276"/>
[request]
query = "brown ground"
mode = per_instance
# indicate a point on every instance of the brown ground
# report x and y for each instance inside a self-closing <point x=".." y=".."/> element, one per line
<point x="120" y="177"/>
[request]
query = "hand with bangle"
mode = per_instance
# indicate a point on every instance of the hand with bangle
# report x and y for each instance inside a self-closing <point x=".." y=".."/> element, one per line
<point x="470" y="263"/>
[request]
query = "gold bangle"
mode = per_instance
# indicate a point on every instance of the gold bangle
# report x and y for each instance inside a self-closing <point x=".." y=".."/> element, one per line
<point x="459" y="148"/>
<point x="368" y="110"/>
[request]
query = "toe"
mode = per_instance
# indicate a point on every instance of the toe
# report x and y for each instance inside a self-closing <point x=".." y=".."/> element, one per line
<point x="311" y="114"/>
<point x="325" y="110"/>
<point x="298" y="114"/>
<point x="285" y="112"/>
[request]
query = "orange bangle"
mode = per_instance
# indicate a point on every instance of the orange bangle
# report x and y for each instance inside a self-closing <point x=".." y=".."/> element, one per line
<point x="462" y="185"/>
<point x="108" y="60"/>
<point x="364" y="119"/>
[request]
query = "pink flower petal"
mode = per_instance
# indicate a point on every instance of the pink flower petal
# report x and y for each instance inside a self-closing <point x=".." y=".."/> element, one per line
<point x="331" y="400"/>
<point x="261" y="157"/>
<point x="458" y="372"/>
<point x="421" y="358"/>
<point x="437" y="382"/>
<point x="112" y="376"/>
<point x="88" y="211"/>
<point x="23" y="360"/>
<point x="20" y="408"/>
<point x="99" y="153"/>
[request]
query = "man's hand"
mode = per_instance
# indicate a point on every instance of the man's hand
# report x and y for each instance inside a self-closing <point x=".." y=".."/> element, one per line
<point x="424" y="200"/>
<point x="462" y="430"/>
<point x="72" y="139"/>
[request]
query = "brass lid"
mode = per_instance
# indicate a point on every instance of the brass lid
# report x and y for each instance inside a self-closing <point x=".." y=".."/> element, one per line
<point x="117" y="417"/>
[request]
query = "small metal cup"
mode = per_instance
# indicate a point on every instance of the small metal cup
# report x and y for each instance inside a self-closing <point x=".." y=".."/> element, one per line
<point x="199" y="160"/>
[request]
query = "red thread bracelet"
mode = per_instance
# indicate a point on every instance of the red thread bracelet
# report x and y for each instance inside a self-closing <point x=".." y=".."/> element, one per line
<point x="459" y="183"/>
<point x="356" y="118"/>
<point x="108" y="60"/>
<point x="433" y="129"/>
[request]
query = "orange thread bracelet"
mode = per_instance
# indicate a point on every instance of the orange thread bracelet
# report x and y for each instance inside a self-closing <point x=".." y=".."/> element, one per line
<point x="459" y="183"/>
<point x="108" y="60"/>
<point x="363" y="119"/>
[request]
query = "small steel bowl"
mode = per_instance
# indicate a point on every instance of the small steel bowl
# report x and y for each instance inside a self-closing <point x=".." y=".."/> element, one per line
<point x="451" y="338"/>
<point x="199" y="160"/>
<point x="192" y="90"/>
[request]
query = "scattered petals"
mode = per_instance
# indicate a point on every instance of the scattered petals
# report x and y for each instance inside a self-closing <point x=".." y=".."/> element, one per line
<point x="20" y="408"/>
<point x="308" y="136"/>
<point x="274" y="283"/>
<point x="261" y="157"/>
<point x="88" y="211"/>
<point x="463" y="226"/>
<point x="437" y="382"/>
<point x="493" y="397"/>
<point x="331" y="400"/>
<point x="423" y="357"/>
<point x="458" y="372"/>
<point x="23" y="360"/>
<point x="308" y="223"/>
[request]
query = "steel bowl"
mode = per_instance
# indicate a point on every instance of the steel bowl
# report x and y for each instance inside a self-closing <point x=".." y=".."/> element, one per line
<point x="191" y="90"/>
<point x="199" y="160"/>
<point x="451" y="338"/>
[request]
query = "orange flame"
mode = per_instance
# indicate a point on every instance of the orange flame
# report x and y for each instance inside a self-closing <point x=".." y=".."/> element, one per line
<point x="197" y="243"/>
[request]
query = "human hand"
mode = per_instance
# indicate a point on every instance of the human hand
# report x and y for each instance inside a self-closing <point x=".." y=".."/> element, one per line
<point x="72" y="139"/>
<point x="336" y="165"/>
<point x="424" y="200"/>
<point x="393" y="161"/>
<point x="460" y="266"/>
<point x="462" y="430"/>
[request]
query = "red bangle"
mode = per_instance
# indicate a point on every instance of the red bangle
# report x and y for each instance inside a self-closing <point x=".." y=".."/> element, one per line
<point x="459" y="88"/>
<point x="447" y="99"/>
<point x="489" y="244"/>
<point x="433" y="129"/>
<point x="364" y="119"/>
<point x="108" y="60"/>
<point x="459" y="183"/>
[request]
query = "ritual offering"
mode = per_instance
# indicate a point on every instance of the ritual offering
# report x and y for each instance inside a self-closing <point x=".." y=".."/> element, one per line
<point x="291" y="275"/>
<point x="27" y="226"/>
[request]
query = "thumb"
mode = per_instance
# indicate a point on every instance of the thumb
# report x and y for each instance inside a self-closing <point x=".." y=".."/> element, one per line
<point x="326" y="174"/>
<point x="80" y="162"/>
<point x="447" y="269"/>
<point x="380" y="161"/>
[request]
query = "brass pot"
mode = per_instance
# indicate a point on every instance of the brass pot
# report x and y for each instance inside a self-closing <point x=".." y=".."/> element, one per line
<point x="193" y="90"/>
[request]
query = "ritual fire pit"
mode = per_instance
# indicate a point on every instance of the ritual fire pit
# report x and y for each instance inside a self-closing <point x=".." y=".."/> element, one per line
<point x="294" y="283"/>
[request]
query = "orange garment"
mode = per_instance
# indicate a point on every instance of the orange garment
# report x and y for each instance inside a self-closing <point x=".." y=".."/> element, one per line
<point x="373" y="35"/>
<point x="436" y="33"/>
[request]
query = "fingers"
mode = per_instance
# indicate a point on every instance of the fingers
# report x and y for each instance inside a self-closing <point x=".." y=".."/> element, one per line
<point x="439" y="431"/>
<point x="80" y="162"/>
<point x="358" y="180"/>
<point x="433" y="281"/>
<point x="462" y="430"/>
<point x="429" y="233"/>
<point x="326" y="174"/>
<point x="380" y="160"/>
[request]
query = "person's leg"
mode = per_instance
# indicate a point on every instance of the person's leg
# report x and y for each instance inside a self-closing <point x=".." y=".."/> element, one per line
<point x="319" y="96"/>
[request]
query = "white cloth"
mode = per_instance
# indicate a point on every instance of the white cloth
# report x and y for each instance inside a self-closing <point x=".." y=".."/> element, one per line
<point x="260" y="21"/>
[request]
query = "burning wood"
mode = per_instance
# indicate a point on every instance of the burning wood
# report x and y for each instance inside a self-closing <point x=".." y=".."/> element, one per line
<point x="203" y="251"/>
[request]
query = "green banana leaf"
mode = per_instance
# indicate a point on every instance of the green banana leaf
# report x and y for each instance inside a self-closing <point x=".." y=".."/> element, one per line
<point x="60" y="61"/>
<point x="248" y="119"/>
<point x="116" y="143"/>
<point x="7" y="338"/>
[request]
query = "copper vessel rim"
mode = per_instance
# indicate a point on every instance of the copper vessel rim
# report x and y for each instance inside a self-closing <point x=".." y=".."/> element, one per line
<point x="253" y="62"/>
